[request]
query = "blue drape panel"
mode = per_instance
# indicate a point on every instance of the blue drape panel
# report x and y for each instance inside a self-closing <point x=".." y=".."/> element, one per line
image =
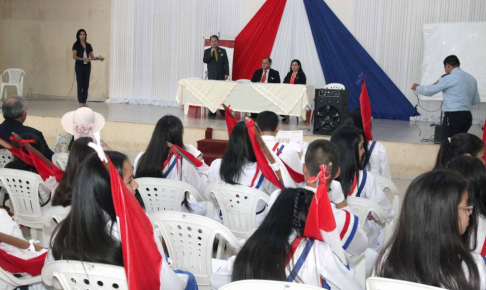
<point x="343" y="59"/>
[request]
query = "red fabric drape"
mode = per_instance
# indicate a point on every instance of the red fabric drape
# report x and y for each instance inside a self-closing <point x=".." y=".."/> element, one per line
<point x="262" y="161"/>
<point x="365" y="106"/>
<point x="320" y="216"/>
<point x="45" y="170"/>
<point x="230" y="120"/>
<point x="256" y="40"/>
<point x="141" y="257"/>
<point x="15" y="264"/>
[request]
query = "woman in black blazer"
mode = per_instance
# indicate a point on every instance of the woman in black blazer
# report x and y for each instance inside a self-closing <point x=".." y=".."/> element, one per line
<point x="296" y="75"/>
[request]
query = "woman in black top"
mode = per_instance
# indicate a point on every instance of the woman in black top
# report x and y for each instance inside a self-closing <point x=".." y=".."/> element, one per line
<point x="296" y="75"/>
<point x="83" y="54"/>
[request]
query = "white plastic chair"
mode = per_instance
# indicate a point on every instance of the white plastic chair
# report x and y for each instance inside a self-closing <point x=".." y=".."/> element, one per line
<point x="75" y="275"/>
<point x="5" y="157"/>
<point x="243" y="81"/>
<point x="190" y="239"/>
<point x="10" y="279"/>
<point x="238" y="204"/>
<point x="359" y="263"/>
<point x="267" y="285"/>
<point x="376" y="283"/>
<point x="334" y="86"/>
<point x="15" y="79"/>
<point x="60" y="160"/>
<point x="163" y="194"/>
<point x="23" y="189"/>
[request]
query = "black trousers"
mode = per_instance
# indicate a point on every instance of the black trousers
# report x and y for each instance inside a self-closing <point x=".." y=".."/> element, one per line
<point x="455" y="123"/>
<point x="83" y="73"/>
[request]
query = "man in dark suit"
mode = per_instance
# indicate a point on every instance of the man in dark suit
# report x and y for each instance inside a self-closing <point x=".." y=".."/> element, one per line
<point x="14" y="112"/>
<point x="266" y="74"/>
<point x="218" y="64"/>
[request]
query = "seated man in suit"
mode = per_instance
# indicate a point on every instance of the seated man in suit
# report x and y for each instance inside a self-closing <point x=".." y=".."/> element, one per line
<point x="14" y="112"/>
<point x="266" y="74"/>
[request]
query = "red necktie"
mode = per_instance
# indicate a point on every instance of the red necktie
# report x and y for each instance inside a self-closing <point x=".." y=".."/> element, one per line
<point x="264" y="78"/>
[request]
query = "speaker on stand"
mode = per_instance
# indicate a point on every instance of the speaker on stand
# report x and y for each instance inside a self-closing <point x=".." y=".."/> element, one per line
<point x="331" y="110"/>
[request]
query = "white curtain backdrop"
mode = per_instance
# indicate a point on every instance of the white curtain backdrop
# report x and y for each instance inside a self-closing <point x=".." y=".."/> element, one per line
<point x="155" y="43"/>
<point x="391" y="32"/>
<point x="295" y="41"/>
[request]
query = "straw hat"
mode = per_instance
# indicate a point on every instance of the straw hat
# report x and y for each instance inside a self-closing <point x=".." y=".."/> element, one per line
<point x="79" y="122"/>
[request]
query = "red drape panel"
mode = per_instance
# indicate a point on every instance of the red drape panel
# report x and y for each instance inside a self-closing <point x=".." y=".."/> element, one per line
<point x="365" y="111"/>
<point x="256" y="40"/>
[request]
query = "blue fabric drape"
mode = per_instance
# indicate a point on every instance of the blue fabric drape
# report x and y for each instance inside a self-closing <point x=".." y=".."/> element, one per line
<point x="343" y="59"/>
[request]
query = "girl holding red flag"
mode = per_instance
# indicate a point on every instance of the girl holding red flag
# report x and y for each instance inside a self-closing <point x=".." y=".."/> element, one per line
<point x="360" y="183"/>
<point x="162" y="160"/>
<point x="92" y="234"/>
<point x="279" y="251"/>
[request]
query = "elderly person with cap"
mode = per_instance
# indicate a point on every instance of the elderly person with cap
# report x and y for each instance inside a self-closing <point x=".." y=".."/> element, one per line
<point x="14" y="112"/>
<point x="83" y="122"/>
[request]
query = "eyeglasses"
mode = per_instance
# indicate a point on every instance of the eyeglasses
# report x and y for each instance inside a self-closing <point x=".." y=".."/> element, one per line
<point x="468" y="208"/>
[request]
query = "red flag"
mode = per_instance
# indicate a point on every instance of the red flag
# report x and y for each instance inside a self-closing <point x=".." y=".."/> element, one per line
<point x="230" y="119"/>
<point x="297" y="177"/>
<point x="15" y="264"/>
<point x="365" y="106"/>
<point x="45" y="167"/>
<point x="141" y="257"/>
<point x="18" y="151"/>
<point x="182" y="153"/>
<point x="262" y="161"/>
<point x="484" y="138"/>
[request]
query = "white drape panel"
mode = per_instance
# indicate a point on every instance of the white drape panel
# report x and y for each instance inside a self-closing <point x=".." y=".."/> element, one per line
<point x="295" y="41"/>
<point x="391" y="32"/>
<point x="155" y="43"/>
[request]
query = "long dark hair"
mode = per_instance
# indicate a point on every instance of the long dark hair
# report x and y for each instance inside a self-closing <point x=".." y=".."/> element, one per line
<point x="83" y="235"/>
<point x="85" y="38"/>
<point x="459" y="144"/>
<point x="264" y="254"/>
<point x="300" y="66"/>
<point x="347" y="140"/>
<point x="78" y="152"/>
<point x="426" y="246"/>
<point x="355" y="119"/>
<point x="168" y="129"/>
<point x="238" y="153"/>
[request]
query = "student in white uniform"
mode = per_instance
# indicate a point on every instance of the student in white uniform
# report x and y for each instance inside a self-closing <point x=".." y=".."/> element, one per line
<point x="268" y="123"/>
<point x="319" y="152"/>
<point x="375" y="159"/>
<point x="459" y="144"/>
<point x="473" y="171"/>
<point x="428" y="245"/>
<point x="90" y="233"/>
<point x="278" y="251"/>
<point x="360" y="183"/>
<point x="159" y="162"/>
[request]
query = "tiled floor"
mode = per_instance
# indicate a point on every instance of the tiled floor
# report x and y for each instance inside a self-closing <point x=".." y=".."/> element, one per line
<point x="383" y="130"/>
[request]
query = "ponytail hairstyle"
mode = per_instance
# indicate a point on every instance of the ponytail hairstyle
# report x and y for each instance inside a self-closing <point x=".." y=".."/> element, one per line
<point x="459" y="144"/>
<point x="238" y="153"/>
<point x="426" y="246"/>
<point x="264" y="254"/>
<point x="86" y="233"/>
<point x="78" y="152"/>
<point x="347" y="140"/>
<point x="355" y="119"/>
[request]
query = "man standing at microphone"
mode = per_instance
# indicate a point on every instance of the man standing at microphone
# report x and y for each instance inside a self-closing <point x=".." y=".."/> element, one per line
<point x="218" y="65"/>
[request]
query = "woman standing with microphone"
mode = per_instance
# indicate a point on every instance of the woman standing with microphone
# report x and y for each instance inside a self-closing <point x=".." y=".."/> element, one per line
<point x="83" y="54"/>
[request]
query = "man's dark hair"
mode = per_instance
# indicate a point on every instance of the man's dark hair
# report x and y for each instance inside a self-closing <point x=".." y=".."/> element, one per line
<point x="214" y="36"/>
<point x="267" y="121"/>
<point x="13" y="107"/>
<point x="269" y="59"/>
<point x="452" y="60"/>
<point x="321" y="152"/>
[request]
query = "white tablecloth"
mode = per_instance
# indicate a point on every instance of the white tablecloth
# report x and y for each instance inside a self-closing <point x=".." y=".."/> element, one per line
<point x="283" y="99"/>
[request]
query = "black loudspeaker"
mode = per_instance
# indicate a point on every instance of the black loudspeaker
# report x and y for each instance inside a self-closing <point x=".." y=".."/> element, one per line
<point x="438" y="134"/>
<point x="331" y="110"/>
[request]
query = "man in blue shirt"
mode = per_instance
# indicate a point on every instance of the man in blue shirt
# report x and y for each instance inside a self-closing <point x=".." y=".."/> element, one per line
<point x="460" y="93"/>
